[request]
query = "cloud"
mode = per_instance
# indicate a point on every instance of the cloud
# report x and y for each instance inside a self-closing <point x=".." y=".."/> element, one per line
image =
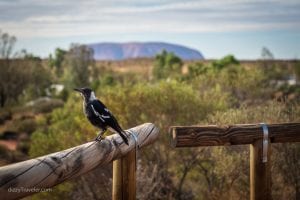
<point x="45" y="18"/>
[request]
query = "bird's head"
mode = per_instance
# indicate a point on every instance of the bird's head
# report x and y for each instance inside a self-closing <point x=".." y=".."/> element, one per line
<point x="86" y="93"/>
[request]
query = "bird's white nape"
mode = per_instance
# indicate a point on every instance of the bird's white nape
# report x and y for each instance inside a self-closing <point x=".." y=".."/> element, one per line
<point x="92" y="96"/>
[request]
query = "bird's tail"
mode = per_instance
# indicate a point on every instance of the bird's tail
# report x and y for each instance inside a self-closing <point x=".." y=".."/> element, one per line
<point x="117" y="128"/>
<point x="123" y="136"/>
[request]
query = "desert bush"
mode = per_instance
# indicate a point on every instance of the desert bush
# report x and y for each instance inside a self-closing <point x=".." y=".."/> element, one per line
<point x="24" y="125"/>
<point x="23" y="146"/>
<point x="167" y="65"/>
<point x="5" y="115"/>
<point x="47" y="106"/>
<point x="5" y="154"/>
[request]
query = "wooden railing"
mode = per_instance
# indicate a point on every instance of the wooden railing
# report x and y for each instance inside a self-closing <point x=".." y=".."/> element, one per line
<point x="31" y="176"/>
<point x="259" y="136"/>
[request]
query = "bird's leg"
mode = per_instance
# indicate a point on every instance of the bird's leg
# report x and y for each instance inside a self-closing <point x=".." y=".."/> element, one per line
<point x="99" y="137"/>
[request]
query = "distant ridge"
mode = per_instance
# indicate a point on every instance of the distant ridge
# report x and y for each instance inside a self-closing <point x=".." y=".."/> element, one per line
<point x="120" y="51"/>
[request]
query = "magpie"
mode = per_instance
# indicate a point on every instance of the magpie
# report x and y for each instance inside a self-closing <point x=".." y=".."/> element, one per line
<point x="98" y="115"/>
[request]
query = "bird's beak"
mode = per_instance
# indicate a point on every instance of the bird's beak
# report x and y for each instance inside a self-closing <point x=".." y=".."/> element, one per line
<point x="78" y="90"/>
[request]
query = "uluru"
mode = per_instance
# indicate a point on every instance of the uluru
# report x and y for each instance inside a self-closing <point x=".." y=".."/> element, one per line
<point x="121" y="51"/>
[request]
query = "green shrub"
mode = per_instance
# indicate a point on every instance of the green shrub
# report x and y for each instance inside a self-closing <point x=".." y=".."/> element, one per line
<point x="167" y="65"/>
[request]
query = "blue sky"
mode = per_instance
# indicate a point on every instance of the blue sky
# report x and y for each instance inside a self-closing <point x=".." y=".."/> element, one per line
<point x="215" y="27"/>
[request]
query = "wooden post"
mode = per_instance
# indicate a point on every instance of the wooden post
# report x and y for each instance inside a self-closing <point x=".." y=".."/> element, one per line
<point x="117" y="180"/>
<point x="124" y="177"/>
<point x="260" y="173"/>
<point x="129" y="175"/>
<point x="33" y="175"/>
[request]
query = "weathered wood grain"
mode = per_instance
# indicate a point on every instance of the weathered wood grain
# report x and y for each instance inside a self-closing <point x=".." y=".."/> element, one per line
<point x="50" y="170"/>
<point x="117" y="192"/>
<point x="260" y="172"/>
<point x="124" y="177"/>
<point x="192" y="136"/>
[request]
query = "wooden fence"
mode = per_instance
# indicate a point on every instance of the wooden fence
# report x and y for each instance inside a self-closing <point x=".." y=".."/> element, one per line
<point x="259" y="136"/>
<point x="31" y="176"/>
<point x="50" y="170"/>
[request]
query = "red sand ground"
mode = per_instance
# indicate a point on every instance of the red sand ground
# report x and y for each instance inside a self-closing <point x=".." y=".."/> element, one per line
<point x="9" y="144"/>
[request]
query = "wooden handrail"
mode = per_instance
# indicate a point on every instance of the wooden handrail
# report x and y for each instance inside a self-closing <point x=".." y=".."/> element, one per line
<point x="259" y="136"/>
<point x="192" y="136"/>
<point x="27" y="177"/>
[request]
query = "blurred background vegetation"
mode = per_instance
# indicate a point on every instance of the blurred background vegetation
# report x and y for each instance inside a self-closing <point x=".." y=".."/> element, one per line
<point x="40" y="114"/>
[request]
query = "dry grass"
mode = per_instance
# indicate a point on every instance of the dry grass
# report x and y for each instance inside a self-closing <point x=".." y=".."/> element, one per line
<point x="143" y="66"/>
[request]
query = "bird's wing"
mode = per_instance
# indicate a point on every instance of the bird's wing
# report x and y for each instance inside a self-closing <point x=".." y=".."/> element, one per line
<point x="100" y="110"/>
<point x="103" y="113"/>
<point x="107" y="118"/>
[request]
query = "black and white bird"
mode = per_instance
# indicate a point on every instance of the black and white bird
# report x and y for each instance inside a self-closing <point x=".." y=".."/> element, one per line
<point x="98" y="115"/>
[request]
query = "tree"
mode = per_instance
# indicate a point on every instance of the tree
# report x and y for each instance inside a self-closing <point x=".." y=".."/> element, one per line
<point x="226" y="61"/>
<point x="57" y="59"/>
<point x="296" y="68"/>
<point x="38" y="79"/>
<point x="266" y="54"/>
<point x="167" y="64"/>
<point x="79" y="62"/>
<point x="20" y="74"/>
<point x="7" y="43"/>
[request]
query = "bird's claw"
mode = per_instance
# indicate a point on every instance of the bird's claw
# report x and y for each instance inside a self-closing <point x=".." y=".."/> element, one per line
<point x="99" y="138"/>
